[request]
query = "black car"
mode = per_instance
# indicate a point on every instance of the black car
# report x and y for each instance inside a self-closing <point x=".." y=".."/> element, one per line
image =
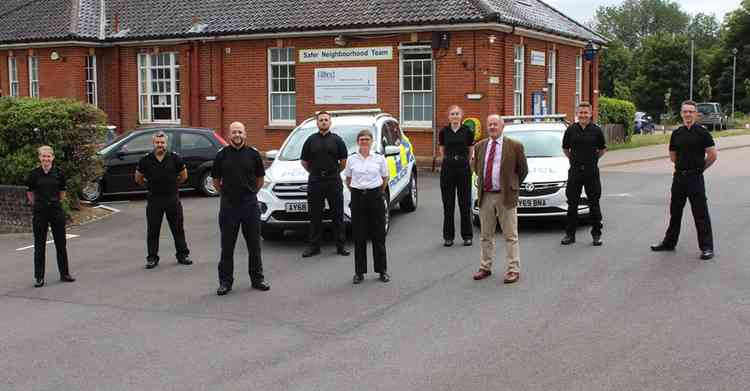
<point x="196" y="146"/>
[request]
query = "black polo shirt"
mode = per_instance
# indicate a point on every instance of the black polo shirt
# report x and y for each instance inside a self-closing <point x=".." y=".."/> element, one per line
<point x="324" y="152"/>
<point x="456" y="143"/>
<point x="690" y="145"/>
<point x="46" y="186"/>
<point x="161" y="176"/>
<point x="238" y="169"/>
<point x="584" y="143"/>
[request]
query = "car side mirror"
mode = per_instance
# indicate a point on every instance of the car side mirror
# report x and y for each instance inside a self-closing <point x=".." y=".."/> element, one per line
<point x="271" y="155"/>
<point x="392" y="150"/>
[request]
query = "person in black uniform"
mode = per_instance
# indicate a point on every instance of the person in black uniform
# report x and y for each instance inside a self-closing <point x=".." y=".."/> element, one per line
<point x="238" y="174"/>
<point x="162" y="172"/>
<point x="583" y="144"/>
<point x="324" y="157"/>
<point x="366" y="175"/>
<point x="46" y="189"/>
<point x="456" y="143"/>
<point x="693" y="151"/>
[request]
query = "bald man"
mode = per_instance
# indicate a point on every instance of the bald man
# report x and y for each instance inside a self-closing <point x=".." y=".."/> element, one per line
<point x="238" y="175"/>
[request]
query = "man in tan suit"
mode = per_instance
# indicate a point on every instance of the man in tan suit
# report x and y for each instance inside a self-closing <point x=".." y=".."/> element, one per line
<point x="500" y="166"/>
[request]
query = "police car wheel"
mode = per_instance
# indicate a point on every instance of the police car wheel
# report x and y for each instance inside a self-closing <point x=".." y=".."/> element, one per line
<point x="410" y="201"/>
<point x="92" y="192"/>
<point x="206" y="185"/>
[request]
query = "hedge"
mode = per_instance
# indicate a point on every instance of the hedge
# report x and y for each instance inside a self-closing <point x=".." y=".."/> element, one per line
<point x="617" y="111"/>
<point x="72" y="128"/>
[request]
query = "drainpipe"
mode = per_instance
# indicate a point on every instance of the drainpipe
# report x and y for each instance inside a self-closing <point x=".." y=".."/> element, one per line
<point x="195" y="116"/>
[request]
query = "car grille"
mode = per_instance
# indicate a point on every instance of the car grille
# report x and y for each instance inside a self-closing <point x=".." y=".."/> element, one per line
<point x="290" y="190"/>
<point x="523" y="211"/>
<point x="281" y="215"/>
<point x="540" y="189"/>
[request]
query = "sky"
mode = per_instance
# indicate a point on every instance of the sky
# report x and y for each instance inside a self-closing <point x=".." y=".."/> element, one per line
<point x="583" y="10"/>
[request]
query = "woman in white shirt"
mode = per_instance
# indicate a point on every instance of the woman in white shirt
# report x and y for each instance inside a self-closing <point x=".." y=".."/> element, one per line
<point x="367" y="177"/>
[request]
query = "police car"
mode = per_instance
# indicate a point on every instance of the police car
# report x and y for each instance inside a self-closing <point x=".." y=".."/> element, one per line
<point x="543" y="191"/>
<point x="283" y="198"/>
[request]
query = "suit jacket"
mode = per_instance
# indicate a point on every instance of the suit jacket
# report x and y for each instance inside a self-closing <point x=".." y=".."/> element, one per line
<point x="513" y="169"/>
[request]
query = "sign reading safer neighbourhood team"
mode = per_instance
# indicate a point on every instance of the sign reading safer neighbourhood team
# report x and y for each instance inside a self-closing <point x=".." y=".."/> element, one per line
<point x="346" y="86"/>
<point x="346" y="54"/>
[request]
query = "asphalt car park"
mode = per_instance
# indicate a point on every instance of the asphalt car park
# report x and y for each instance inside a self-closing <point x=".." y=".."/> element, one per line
<point x="581" y="318"/>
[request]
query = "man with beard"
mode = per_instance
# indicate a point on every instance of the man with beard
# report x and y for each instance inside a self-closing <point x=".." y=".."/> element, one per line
<point x="324" y="157"/>
<point x="162" y="172"/>
<point x="238" y="174"/>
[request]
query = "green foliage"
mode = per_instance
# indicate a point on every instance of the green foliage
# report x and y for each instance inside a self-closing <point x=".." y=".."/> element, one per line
<point x="634" y="20"/>
<point x="663" y="68"/>
<point x="622" y="91"/>
<point x="616" y="111"/>
<point x="704" y="30"/>
<point x="71" y="127"/>
<point x="704" y="88"/>
<point x="616" y="66"/>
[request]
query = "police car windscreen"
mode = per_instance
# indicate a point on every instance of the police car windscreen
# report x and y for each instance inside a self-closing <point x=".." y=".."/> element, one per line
<point x="293" y="148"/>
<point x="539" y="143"/>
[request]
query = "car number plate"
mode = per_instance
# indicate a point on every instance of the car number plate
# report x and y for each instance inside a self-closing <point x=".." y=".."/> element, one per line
<point x="296" y="207"/>
<point x="531" y="203"/>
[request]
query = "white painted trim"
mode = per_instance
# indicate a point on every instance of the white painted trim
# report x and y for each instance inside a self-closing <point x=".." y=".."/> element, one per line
<point x="53" y="44"/>
<point x="550" y="37"/>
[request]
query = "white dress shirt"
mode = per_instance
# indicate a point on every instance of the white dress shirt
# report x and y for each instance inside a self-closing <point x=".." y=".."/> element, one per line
<point x="495" y="163"/>
<point x="367" y="172"/>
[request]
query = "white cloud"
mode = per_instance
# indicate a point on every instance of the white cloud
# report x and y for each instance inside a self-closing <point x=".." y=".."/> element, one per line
<point x="584" y="10"/>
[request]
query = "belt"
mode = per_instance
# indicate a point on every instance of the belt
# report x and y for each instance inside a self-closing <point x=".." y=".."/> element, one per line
<point x="695" y="171"/>
<point x="456" y="157"/>
<point x="364" y="191"/>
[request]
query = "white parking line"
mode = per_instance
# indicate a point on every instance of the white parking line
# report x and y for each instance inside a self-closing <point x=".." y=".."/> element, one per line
<point x="109" y="208"/>
<point x="67" y="236"/>
<point x="619" y="195"/>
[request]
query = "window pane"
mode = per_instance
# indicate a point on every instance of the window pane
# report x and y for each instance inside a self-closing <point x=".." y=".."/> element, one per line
<point x="407" y="68"/>
<point x="274" y="55"/>
<point x="408" y="114"/>
<point x="427" y="83"/>
<point x="407" y="84"/>
<point x="417" y="83"/>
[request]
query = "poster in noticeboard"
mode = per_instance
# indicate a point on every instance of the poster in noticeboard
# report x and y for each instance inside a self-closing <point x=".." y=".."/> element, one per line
<point x="355" y="86"/>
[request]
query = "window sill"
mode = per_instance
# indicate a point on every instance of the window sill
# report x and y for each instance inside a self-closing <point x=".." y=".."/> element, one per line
<point x="416" y="128"/>
<point x="280" y="127"/>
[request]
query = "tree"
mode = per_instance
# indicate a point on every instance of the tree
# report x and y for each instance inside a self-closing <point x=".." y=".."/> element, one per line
<point x="634" y="20"/>
<point x="622" y="91"/>
<point x="662" y="68"/>
<point x="704" y="30"/>
<point x="704" y="88"/>
<point x="615" y="66"/>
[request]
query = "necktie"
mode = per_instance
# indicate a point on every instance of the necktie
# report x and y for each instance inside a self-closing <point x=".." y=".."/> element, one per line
<point x="490" y="166"/>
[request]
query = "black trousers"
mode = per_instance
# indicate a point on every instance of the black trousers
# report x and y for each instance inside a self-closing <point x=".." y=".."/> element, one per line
<point x="46" y="216"/>
<point x="584" y="177"/>
<point x="368" y="221"/>
<point x="455" y="181"/>
<point x="689" y="187"/>
<point x="317" y="192"/>
<point x="232" y="217"/>
<point x="156" y="208"/>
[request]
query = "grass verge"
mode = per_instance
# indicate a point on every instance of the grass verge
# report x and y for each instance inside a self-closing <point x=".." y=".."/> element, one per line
<point x="642" y="140"/>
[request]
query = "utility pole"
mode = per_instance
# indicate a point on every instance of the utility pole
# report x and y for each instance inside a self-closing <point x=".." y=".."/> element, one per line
<point x="734" y="76"/>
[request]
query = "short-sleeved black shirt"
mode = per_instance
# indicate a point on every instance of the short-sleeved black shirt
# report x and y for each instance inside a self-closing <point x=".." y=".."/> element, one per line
<point x="456" y="143"/>
<point x="238" y="169"/>
<point x="161" y="176"/>
<point x="46" y="186"/>
<point x="584" y="143"/>
<point x="324" y="153"/>
<point x="690" y="145"/>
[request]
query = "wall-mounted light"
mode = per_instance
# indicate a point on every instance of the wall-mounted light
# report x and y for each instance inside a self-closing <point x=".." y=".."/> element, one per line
<point x="492" y="38"/>
<point x="54" y="56"/>
<point x="340" y="40"/>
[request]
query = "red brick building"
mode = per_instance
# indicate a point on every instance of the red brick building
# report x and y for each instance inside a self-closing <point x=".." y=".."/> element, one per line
<point x="206" y="63"/>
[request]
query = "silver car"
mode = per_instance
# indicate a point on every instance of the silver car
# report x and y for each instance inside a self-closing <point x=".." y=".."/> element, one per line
<point x="543" y="191"/>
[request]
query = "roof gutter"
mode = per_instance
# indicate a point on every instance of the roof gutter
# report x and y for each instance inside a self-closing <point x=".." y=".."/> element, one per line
<point x="550" y="37"/>
<point x="50" y="44"/>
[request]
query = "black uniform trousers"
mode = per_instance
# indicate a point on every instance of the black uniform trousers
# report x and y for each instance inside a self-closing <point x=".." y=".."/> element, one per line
<point x="156" y="208"/>
<point x="584" y="177"/>
<point x="693" y="187"/>
<point x="46" y="216"/>
<point x="317" y="192"/>
<point x="455" y="180"/>
<point x="368" y="220"/>
<point x="232" y="217"/>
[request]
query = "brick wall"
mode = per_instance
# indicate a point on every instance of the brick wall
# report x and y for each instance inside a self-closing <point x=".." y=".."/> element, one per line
<point x="15" y="212"/>
<point x="235" y="75"/>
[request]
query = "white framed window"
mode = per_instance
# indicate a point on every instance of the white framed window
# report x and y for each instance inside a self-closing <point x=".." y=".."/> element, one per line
<point x="579" y="79"/>
<point x="33" y="76"/>
<point x="518" y="79"/>
<point x="13" y="76"/>
<point x="159" y="87"/>
<point x="551" y="82"/>
<point x="282" y="87"/>
<point x="91" y="93"/>
<point x="416" y="86"/>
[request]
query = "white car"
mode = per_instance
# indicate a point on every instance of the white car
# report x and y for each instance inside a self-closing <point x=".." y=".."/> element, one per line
<point x="283" y="198"/>
<point x="543" y="191"/>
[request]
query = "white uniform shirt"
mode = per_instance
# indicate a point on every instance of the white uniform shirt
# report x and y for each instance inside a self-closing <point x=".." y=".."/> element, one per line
<point x="496" y="163"/>
<point x="367" y="172"/>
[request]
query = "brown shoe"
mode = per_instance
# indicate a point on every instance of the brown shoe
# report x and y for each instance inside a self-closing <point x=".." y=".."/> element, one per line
<point x="482" y="274"/>
<point x="511" y="277"/>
